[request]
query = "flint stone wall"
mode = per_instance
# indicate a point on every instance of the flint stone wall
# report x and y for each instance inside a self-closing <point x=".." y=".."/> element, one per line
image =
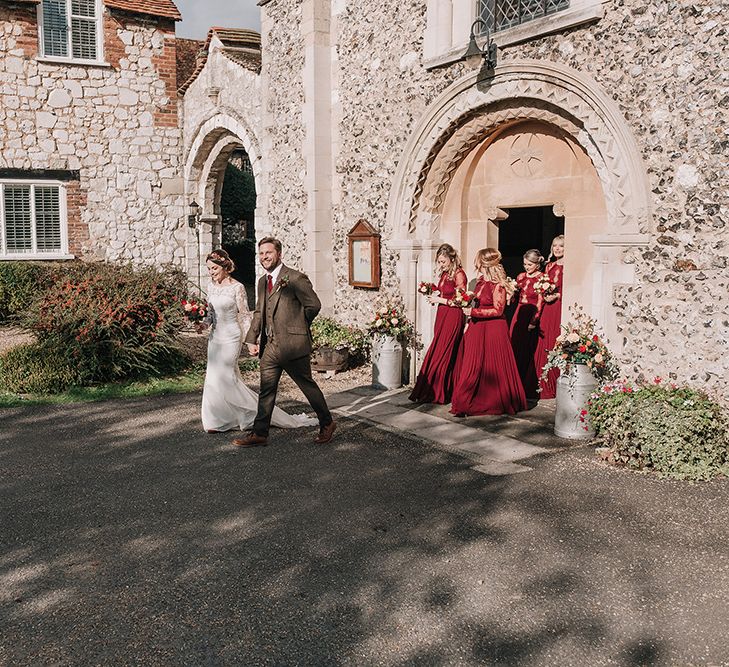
<point x="116" y="125"/>
<point x="665" y="66"/>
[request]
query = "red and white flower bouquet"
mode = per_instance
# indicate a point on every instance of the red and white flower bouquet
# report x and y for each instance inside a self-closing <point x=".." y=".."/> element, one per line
<point x="194" y="310"/>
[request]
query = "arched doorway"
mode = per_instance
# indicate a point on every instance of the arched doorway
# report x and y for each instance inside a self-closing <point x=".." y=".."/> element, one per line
<point x="533" y="135"/>
<point x="223" y="145"/>
<point x="521" y="185"/>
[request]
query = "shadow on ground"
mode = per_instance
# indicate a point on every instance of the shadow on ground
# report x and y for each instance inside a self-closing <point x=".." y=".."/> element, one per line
<point x="128" y="536"/>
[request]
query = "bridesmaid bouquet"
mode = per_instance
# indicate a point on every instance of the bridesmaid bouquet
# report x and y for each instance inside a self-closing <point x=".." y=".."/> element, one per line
<point x="544" y="285"/>
<point x="194" y="311"/>
<point x="427" y="289"/>
<point x="464" y="299"/>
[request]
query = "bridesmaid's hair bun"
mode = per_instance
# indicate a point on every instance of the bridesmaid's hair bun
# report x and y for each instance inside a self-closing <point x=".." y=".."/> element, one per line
<point x="222" y="259"/>
<point x="535" y="256"/>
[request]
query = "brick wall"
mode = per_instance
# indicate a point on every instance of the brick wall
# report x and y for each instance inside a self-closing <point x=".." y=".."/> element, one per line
<point x="78" y="230"/>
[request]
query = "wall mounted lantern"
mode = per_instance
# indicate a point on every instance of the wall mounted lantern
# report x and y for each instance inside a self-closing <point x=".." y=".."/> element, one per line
<point x="193" y="219"/>
<point x="475" y="54"/>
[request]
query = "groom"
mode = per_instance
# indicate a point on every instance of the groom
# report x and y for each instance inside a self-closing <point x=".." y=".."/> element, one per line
<point x="286" y="305"/>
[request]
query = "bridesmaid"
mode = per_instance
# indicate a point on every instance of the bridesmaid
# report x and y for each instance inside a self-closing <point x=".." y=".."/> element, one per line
<point x="435" y="380"/>
<point x="487" y="379"/>
<point x="552" y="315"/>
<point x="525" y="331"/>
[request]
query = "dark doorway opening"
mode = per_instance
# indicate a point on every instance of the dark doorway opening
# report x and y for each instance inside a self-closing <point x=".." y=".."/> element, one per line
<point x="524" y="229"/>
<point x="527" y="228"/>
<point x="237" y="208"/>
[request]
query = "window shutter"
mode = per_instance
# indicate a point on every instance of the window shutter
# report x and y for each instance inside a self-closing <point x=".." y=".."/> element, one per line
<point x="55" y="28"/>
<point x="83" y="29"/>
<point x="47" y="218"/>
<point x="18" y="234"/>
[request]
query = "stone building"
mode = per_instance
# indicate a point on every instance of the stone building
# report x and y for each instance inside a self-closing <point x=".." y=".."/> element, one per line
<point x="90" y="142"/>
<point x="605" y="119"/>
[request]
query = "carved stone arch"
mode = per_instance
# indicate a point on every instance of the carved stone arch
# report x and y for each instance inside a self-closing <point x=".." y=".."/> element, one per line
<point x="537" y="90"/>
<point x="473" y="109"/>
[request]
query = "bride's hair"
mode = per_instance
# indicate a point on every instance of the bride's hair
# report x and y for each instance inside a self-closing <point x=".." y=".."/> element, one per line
<point x="222" y="259"/>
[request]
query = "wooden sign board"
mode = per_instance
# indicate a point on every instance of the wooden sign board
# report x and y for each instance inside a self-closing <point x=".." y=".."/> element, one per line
<point x="364" y="256"/>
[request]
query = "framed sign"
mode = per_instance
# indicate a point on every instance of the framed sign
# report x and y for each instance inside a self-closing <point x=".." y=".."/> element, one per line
<point x="364" y="256"/>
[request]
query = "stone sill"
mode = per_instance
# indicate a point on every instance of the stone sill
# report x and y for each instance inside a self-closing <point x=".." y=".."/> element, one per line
<point x="34" y="257"/>
<point x="567" y="18"/>
<point x="74" y="62"/>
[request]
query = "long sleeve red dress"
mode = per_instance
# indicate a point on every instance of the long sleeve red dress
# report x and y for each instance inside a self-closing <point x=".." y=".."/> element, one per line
<point x="524" y="341"/>
<point x="486" y="377"/>
<point x="435" y="380"/>
<point x="550" y="324"/>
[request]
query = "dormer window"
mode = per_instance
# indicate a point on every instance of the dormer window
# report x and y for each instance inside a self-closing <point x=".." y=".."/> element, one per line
<point x="71" y="29"/>
<point x="502" y="14"/>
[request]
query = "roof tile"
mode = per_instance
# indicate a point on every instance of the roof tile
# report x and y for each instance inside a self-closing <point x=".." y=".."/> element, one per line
<point x="164" y="8"/>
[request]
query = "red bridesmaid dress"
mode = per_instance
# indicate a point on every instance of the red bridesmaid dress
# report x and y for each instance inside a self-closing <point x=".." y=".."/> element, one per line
<point x="523" y="341"/>
<point x="550" y="325"/>
<point x="435" y="380"/>
<point x="486" y="378"/>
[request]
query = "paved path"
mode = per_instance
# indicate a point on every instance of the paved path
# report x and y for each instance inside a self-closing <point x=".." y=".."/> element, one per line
<point x="128" y="536"/>
<point x="492" y="453"/>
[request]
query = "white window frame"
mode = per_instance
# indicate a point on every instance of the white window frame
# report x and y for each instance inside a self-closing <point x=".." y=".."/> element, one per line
<point x="62" y="252"/>
<point x="449" y="22"/>
<point x="99" y="60"/>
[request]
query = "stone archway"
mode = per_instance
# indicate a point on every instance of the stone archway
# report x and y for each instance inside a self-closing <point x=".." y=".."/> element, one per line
<point x="215" y="139"/>
<point x="461" y="126"/>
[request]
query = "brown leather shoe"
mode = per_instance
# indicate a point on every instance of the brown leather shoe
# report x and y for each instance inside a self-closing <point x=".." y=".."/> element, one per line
<point x="326" y="433"/>
<point x="251" y="440"/>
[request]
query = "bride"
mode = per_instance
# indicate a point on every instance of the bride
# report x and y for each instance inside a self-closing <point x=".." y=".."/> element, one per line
<point x="227" y="402"/>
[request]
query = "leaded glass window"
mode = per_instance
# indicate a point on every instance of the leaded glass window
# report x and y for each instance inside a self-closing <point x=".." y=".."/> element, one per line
<point x="31" y="219"/>
<point x="71" y="28"/>
<point x="502" y="14"/>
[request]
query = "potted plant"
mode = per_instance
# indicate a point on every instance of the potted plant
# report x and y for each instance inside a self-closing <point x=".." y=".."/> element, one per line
<point x="336" y="345"/>
<point x="584" y="361"/>
<point x="391" y="333"/>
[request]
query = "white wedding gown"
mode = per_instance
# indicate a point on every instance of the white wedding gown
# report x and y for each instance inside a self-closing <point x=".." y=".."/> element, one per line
<point x="227" y="402"/>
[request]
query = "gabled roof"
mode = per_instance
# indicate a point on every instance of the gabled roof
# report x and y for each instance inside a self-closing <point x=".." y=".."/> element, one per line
<point x="165" y="8"/>
<point x="241" y="46"/>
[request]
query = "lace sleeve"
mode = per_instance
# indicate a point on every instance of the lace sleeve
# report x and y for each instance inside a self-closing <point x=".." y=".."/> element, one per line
<point x="244" y="314"/>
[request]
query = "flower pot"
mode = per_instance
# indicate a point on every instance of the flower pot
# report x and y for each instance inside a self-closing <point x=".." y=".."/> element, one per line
<point x="386" y="362"/>
<point x="573" y="392"/>
<point x="328" y="359"/>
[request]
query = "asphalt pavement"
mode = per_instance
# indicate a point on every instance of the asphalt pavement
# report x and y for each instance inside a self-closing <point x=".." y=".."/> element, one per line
<point x="128" y="536"/>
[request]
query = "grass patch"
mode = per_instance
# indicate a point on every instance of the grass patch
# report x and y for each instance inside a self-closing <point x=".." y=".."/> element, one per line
<point x="188" y="381"/>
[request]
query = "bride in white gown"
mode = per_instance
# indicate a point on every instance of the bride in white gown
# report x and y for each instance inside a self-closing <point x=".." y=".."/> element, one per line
<point x="227" y="402"/>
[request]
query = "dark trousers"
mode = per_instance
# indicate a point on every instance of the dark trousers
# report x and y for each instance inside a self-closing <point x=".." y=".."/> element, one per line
<point x="299" y="370"/>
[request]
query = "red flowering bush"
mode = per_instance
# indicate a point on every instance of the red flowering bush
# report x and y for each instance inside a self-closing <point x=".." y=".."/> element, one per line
<point x="110" y="322"/>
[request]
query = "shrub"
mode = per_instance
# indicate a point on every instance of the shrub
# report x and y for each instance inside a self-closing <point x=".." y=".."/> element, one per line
<point x="677" y="431"/>
<point x="36" y="369"/>
<point x="111" y="322"/>
<point x="20" y="284"/>
<point x="326" y="332"/>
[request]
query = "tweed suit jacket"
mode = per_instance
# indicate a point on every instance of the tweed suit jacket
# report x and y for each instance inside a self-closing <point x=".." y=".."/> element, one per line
<point x="289" y="311"/>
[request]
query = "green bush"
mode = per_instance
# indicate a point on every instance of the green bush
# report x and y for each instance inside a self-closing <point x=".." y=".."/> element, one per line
<point x="678" y="432"/>
<point x="20" y="284"/>
<point x="326" y="332"/>
<point x="111" y="322"/>
<point x="36" y="369"/>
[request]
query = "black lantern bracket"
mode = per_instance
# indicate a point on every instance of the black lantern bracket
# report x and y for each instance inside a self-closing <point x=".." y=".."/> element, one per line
<point x="487" y="53"/>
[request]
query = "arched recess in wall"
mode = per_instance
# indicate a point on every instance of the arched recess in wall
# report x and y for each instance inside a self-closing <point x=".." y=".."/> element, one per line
<point x="467" y="119"/>
<point x="215" y="139"/>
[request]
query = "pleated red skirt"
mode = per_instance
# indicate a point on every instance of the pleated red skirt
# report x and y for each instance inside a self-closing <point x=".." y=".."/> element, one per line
<point x="486" y="377"/>
<point x="435" y="380"/>
<point x="550" y="326"/>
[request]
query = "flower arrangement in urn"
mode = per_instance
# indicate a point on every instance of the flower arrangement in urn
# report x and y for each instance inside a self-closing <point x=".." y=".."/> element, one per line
<point x="390" y="320"/>
<point x="580" y="343"/>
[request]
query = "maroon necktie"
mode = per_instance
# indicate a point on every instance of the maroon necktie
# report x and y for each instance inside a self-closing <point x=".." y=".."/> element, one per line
<point x="270" y="283"/>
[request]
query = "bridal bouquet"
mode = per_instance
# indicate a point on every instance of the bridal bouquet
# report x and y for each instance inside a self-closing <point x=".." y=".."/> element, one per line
<point x="464" y="299"/>
<point x="194" y="311"/>
<point x="427" y="289"/>
<point x="544" y="285"/>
